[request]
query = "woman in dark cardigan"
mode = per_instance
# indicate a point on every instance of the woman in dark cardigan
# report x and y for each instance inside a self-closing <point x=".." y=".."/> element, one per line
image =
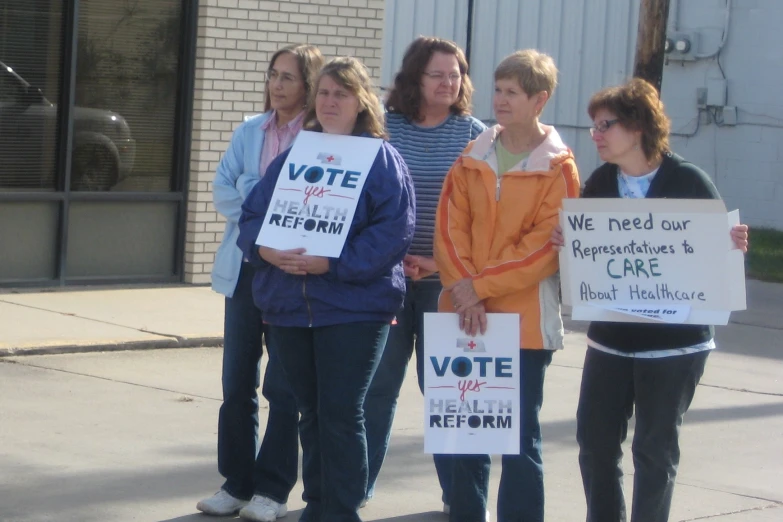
<point x="652" y="367"/>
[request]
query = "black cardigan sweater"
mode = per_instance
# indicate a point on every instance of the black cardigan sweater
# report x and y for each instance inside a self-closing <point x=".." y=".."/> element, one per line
<point x="676" y="178"/>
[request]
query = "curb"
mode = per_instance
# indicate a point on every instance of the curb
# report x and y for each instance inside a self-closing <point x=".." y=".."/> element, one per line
<point x="195" y="342"/>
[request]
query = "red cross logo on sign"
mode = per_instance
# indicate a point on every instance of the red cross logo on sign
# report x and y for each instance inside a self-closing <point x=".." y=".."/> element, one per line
<point x="329" y="158"/>
<point x="468" y="344"/>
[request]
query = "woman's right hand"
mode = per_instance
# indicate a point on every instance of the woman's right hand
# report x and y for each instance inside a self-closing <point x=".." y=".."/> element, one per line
<point x="557" y="238"/>
<point x="289" y="261"/>
<point x="473" y="320"/>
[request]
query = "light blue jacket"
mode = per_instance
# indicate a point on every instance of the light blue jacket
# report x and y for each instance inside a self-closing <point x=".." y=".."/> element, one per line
<point x="237" y="174"/>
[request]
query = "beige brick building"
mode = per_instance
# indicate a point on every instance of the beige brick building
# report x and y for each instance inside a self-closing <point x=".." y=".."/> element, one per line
<point x="236" y="38"/>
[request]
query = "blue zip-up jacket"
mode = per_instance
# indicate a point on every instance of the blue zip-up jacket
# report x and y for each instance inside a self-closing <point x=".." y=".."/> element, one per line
<point x="366" y="283"/>
<point x="237" y="173"/>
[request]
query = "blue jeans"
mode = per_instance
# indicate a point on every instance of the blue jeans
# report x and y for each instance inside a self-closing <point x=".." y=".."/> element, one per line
<point x="271" y="469"/>
<point x="662" y="390"/>
<point x="330" y="369"/>
<point x="381" y="401"/>
<point x="521" y="491"/>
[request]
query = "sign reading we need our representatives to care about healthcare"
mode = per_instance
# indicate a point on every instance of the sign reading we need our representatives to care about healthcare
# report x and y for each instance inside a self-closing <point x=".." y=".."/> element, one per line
<point x="471" y="386"/>
<point x="316" y="193"/>
<point x="650" y="260"/>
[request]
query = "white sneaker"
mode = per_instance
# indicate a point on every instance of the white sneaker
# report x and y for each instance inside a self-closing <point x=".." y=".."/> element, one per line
<point x="221" y="504"/>
<point x="263" y="509"/>
<point x="447" y="510"/>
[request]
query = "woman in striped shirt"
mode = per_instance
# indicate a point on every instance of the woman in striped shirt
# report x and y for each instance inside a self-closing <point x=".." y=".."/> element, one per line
<point x="429" y="123"/>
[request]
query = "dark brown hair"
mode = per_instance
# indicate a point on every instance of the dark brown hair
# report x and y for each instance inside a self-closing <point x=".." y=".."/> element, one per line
<point x="352" y="75"/>
<point x="405" y="96"/>
<point x="637" y="107"/>
<point x="310" y="61"/>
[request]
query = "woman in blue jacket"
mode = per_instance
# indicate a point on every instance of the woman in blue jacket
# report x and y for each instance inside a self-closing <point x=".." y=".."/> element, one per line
<point x="329" y="317"/>
<point x="266" y="473"/>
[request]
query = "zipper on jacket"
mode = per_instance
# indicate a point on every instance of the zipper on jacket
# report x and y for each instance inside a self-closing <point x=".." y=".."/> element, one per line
<point x="497" y="190"/>
<point x="307" y="301"/>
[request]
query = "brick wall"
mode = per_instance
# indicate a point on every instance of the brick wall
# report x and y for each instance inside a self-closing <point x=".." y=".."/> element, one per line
<point x="236" y="38"/>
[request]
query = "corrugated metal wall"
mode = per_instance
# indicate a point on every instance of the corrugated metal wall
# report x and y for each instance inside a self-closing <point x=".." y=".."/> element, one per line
<point x="592" y="42"/>
<point x="407" y="19"/>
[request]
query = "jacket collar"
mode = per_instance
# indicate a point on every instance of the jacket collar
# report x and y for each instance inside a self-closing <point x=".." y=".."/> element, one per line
<point x="540" y="158"/>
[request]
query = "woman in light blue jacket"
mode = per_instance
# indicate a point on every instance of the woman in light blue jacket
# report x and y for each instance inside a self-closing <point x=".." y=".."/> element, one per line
<point x="258" y="478"/>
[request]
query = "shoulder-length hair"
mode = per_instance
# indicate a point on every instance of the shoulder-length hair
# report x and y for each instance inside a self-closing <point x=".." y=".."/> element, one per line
<point x="637" y="107"/>
<point x="352" y="75"/>
<point x="405" y="95"/>
<point x="310" y="61"/>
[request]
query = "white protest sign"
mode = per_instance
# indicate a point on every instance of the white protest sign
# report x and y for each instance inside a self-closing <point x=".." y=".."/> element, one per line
<point x="471" y="386"/>
<point x="316" y="194"/>
<point x="650" y="260"/>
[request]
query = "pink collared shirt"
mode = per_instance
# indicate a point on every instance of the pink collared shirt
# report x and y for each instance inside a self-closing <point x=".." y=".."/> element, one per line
<point x="277" y="140"/>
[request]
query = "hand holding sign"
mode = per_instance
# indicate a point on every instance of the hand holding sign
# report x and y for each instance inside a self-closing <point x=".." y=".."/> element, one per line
<point x="289" y="261"/>
<point x="739" y="234"/>
<point x="474" y="320"/>
<point x="294" y="261"/>
<point x="557" y="238"/>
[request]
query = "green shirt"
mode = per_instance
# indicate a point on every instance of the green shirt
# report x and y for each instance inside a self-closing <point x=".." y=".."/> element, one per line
<point x="506" y="160"/>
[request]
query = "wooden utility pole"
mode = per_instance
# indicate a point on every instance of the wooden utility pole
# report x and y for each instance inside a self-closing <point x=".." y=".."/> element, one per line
<point x="651" y="41"/>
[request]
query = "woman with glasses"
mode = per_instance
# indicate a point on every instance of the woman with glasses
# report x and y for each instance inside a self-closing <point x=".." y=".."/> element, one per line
<point x="329" y="317"/>
<point x="499" y="205"/>
<point x="429" y="123"/>
<point x="258" y="478"/>
<point x="650" y="368"/>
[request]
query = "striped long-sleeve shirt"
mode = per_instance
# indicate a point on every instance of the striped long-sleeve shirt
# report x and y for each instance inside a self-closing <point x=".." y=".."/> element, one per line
<point x="429" y="153"/>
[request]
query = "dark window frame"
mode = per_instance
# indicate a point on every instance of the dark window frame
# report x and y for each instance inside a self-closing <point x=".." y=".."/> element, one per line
<point x="183" y="125"/>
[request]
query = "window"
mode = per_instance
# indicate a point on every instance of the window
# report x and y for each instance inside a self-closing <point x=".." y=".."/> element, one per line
<point x="30" y="57"/>
<point x="126" y="90"/>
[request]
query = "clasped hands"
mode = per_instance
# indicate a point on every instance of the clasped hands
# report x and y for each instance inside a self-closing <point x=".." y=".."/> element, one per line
<point x="472" y="314"/>
<point x="294" y="261"/>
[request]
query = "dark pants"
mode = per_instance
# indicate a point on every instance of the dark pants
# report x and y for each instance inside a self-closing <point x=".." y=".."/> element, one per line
<point x="662" y="390"/>
<point x="381" y="401"/>
<point x="270" y="470"/>
<point x="521" y="491"/>
<point x="329" y="369"/>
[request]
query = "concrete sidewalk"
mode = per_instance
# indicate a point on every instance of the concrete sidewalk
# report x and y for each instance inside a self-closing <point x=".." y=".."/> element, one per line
<point x="69" y="321"/>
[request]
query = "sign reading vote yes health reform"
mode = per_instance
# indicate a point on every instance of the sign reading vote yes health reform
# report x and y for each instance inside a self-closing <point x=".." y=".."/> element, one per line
<point x="650" y="260"/>
<point x="471" y="386"/>
<point x="316" y="194"/>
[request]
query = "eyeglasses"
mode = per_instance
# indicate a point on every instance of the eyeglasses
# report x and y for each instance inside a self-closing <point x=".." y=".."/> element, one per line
<point x="602" y="126"/>
<point x="285" y="78"/>
<point x="441" y="77"/>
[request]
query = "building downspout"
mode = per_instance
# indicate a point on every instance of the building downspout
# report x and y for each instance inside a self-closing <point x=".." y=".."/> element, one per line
<point x="469" y="35"/>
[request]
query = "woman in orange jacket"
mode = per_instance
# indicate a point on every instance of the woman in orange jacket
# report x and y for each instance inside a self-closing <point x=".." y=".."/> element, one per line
<point x="497" y="210"/>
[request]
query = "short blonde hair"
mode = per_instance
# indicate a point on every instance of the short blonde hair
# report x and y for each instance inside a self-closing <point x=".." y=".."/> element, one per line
<point x="535" y="71"/>
<point x="353" y="76"/>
